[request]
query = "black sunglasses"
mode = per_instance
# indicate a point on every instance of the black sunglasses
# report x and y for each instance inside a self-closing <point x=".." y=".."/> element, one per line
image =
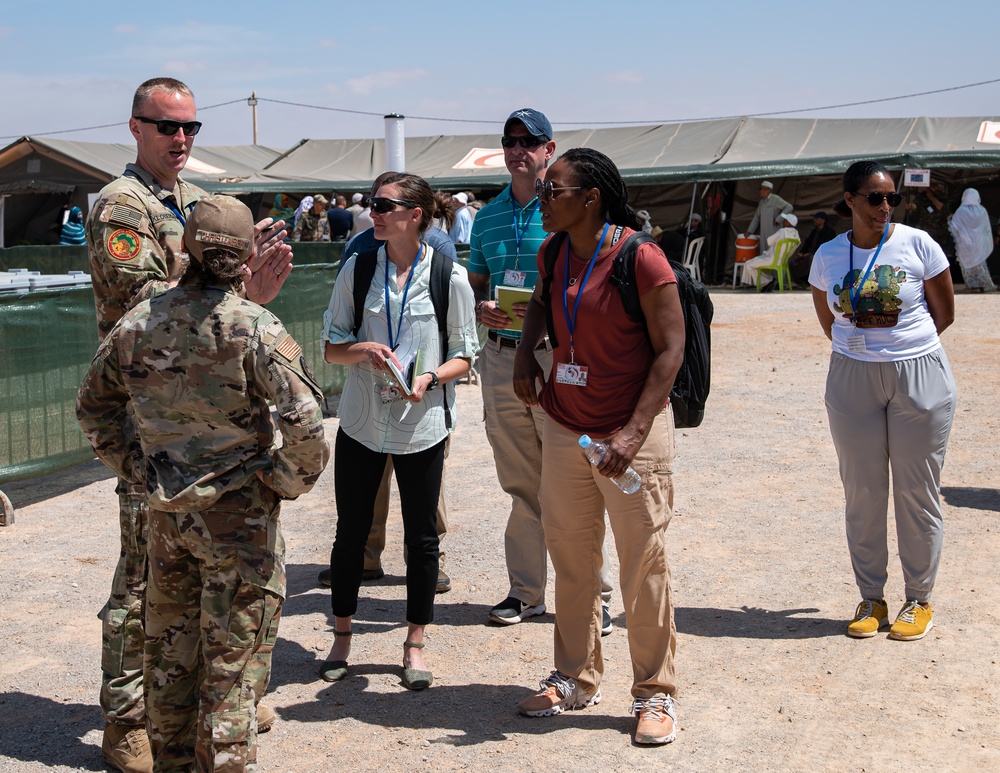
<point x="381" y="205"/>
<point x="169" y="128"/>
<point x="545" y="190"/>
<point x="528" y="143"/>
<point x="876" y="199"/>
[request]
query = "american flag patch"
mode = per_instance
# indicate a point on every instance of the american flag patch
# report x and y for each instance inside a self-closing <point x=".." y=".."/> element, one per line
<point x="288" y="348"/>
<point x="125" y="216"/>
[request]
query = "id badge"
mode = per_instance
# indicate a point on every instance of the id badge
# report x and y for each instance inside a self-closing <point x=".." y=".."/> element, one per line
<point x="513" y="278"/>
<point x="388" y="393"/>
<point x="571" y="374"/>
<point x="856" y="343"/>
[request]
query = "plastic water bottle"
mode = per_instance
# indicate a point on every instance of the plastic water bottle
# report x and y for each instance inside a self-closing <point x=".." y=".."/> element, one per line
<point x="629" y="481"/>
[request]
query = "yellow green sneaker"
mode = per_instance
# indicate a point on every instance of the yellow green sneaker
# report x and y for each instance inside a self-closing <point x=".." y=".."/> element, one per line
<point x="913" y="622"/>
<point x="870" y="615"/>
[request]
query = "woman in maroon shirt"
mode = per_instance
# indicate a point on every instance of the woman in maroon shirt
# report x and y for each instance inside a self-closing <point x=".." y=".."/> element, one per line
<point x="611" y="377"/>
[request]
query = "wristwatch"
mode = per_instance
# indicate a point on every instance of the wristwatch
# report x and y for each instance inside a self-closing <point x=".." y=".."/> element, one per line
<point x="434" y="380"/>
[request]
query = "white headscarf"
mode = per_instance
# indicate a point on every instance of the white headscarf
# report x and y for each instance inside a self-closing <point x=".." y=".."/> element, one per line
<point x="970" y="225"/>
<point x="304" y="206"/>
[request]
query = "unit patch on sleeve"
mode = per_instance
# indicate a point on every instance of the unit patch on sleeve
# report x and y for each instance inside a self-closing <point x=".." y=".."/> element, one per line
<point x="124" y="244"/>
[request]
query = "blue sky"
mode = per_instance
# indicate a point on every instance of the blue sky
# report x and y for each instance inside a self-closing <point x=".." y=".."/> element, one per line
<point x="68" y="65"/>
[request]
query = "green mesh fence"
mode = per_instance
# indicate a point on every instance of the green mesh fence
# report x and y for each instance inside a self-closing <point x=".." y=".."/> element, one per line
<point x="48" y="338"/>
<point x="49" y="259"/>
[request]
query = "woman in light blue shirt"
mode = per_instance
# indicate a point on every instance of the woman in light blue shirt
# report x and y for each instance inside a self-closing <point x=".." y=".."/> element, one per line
<point x="398" y="339"/>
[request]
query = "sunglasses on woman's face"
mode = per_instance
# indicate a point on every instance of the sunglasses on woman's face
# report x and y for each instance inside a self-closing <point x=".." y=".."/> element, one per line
<point x="545" y="190"/>
<point x="528" y="143"/>
<point x="876" y="199"/>
<point x="169" y="128"/>
<point x="382" y="205"/>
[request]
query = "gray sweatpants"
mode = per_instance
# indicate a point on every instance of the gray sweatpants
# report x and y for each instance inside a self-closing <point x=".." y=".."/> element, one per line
<point x="892" y="415"/>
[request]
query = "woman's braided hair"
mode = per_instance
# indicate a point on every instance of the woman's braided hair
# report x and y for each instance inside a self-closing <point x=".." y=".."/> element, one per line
<point x="593" y="169"/>
<point x="218" y="266"/>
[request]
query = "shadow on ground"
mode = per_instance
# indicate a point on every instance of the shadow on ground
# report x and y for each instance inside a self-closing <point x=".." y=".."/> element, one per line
<point x="755" y="623"/>
<point x="973" y="498"/>
<point x="28" y="492"/>
<point x="442" y="709"/>
<point x="49" y="731"/>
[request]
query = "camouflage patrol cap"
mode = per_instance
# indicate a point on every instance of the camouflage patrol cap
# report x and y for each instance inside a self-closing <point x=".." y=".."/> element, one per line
<point x="219" y="221"/>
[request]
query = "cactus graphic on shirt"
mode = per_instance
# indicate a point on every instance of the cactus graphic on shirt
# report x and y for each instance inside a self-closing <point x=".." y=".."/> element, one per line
<point x="879" y="295"/>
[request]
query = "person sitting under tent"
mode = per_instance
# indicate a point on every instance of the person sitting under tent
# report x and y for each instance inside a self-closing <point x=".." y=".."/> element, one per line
<point x="786" y="230"/>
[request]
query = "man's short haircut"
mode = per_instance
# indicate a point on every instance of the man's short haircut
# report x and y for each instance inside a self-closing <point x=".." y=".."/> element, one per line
<point x="145" y="91"/>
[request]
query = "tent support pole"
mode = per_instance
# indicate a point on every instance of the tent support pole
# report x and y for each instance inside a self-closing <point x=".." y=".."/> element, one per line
<point x="687" y="225"/>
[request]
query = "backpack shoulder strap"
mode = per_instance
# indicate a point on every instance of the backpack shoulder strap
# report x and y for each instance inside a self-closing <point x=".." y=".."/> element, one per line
<point x="440" y="283"/>
<point x="623" y="274"/>
<point x="549" y="261"/>
<point x="440" y="287"/>
<point x="364" y="270"/>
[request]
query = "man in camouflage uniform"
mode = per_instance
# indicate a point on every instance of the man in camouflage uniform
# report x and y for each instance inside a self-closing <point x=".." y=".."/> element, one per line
<point x="313" y="225"/>
<point x="197" y="365"/>
<point x="134" y="236"/>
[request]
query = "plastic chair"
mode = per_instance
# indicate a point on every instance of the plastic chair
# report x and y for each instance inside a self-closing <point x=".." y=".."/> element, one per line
<point x="779" y="263"/>
<point x="691" y="262"/>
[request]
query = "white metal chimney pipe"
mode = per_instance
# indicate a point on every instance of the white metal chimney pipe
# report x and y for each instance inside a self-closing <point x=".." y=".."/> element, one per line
<point x="395" y="143"/>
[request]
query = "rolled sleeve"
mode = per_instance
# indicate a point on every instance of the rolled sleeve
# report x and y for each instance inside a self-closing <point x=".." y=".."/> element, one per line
<point x="338" y="319"/>
<point x="463" y="338"/>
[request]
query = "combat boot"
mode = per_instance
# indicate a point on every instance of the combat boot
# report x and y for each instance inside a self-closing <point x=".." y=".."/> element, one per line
<point x="265" y="717"/>
<point x="126" y="748"/>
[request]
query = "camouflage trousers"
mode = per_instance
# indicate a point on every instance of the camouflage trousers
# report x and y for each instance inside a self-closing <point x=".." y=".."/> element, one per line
<point x="216" y="584"/>
<point x="121" y="636"/>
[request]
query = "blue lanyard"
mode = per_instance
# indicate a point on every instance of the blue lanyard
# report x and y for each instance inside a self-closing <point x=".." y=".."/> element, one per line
<point x="855" y="290"/>
<point x="406" y="289"/>
<point x="167" y="202"/>
<point x="571" y="322"/>
<point x="520" y="229"/>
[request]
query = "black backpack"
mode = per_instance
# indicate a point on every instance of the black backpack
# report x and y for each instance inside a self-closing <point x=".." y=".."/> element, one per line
<point x="691" y="387"/>
<point x="440" y="286"/>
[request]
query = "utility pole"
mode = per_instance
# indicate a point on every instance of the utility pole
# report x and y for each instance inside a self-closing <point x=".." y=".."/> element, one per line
<point x="253" y="103"/>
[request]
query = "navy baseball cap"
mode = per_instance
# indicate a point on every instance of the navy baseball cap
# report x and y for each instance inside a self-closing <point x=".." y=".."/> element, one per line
<point x="535" y="122"/>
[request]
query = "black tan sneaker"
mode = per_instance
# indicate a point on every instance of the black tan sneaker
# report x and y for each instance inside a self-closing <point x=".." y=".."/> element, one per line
<point x="511" y="611"/>
<point x="606" y="625"/>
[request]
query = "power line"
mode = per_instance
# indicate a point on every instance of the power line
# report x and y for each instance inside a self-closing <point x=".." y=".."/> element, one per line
<point x="800" y="109"/>
<point x="655" y="122"/>
<point x="104" y="125"/>
<point x="493" y="121"/>
<point x="378" y="114"/>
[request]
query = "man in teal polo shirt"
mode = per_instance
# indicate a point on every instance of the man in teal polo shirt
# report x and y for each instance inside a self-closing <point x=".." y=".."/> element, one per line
<point x="506" y="236"/>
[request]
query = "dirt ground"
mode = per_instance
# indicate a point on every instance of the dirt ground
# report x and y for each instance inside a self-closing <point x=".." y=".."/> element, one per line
<point x="762" y="585"/>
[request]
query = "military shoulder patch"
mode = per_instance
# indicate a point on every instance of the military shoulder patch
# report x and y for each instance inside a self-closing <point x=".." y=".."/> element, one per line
<point x="124" y="244"/>
<point x="288" y="348"/>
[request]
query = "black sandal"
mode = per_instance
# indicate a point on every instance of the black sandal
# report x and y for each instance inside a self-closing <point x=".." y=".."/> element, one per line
<point x="415" y="678"/>
<point x="334" y="670"/>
